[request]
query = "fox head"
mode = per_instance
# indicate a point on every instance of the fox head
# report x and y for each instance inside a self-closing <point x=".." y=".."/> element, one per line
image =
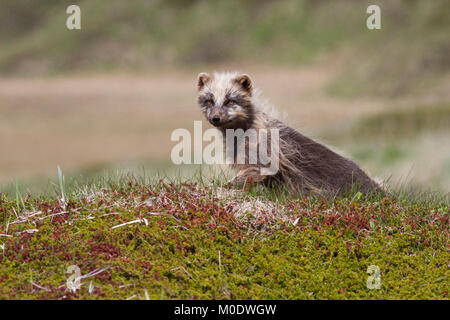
<point x="225" y="99"/>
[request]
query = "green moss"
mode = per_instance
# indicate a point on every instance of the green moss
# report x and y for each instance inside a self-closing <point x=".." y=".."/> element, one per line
<point x="194" y="248"/>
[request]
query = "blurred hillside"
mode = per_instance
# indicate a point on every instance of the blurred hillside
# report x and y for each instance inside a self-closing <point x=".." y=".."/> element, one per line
<point x="410" y="52"/>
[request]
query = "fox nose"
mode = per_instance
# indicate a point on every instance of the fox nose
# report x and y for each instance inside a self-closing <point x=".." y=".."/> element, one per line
<point x="216" y="119"/>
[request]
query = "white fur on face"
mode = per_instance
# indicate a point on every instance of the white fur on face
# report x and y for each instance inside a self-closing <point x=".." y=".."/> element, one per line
<point x="232" y="111"/>
<point x="221" y="81"/>
<point x="220" y="85"/>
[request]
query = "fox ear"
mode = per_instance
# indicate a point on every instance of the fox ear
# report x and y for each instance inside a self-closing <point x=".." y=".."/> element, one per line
<point x="203" y="78"/>
<point x="244" y="82"/>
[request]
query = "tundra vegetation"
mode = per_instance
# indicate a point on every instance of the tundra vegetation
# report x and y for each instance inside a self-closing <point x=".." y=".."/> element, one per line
<point x="162" y="239"/>
<point x="106" y="98"/>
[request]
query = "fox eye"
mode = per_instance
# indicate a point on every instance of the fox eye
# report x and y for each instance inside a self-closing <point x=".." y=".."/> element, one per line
<point x="229" y="103"/>
<point x="209" y="103"/>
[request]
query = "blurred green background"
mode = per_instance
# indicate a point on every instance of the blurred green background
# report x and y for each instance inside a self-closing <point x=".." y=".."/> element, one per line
<point x="109" y="95"/>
